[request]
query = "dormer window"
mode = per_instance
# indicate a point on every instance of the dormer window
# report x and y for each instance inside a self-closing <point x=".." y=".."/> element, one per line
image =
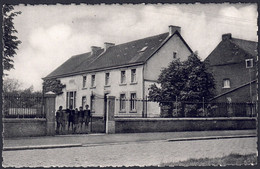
<point x="249" y="63"/>
<point x="143" y="49"/>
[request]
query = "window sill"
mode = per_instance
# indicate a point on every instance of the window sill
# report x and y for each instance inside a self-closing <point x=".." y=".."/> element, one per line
<point x="84" y="88"/>
<point x="122" y="84"/>
<point x="122" y="111"/>
<point x="133" y="83"/>
<point x="93" y="87"/>
<point x="133" y="111"/>
<point x="107" y="86"/>
<point x="225" y="87"/>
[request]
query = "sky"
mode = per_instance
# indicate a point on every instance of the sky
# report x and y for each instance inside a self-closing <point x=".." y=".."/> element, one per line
<point x="51" y="34"/>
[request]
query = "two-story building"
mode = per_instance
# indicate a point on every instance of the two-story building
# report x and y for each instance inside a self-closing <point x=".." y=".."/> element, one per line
<point x="125" y="71"/>
<point x="233" y="64"/>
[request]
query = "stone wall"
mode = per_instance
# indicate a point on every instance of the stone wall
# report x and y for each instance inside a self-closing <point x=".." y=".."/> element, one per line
<point x="24" y="127"/>
<point x="142" y="125"/>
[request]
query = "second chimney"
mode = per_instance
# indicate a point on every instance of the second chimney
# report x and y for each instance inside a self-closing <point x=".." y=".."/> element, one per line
<point x="172" y="29"/>
<point x="226" y="36"/>
<point x="94" y="49"/>
<point x="108" y="45"/>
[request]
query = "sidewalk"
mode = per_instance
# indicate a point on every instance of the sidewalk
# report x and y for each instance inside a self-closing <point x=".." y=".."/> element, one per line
<point x="61" y="141"/>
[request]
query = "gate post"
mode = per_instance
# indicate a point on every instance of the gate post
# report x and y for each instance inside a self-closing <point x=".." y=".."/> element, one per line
<point x="49" y="108"/>
<point x="110" y="120"/>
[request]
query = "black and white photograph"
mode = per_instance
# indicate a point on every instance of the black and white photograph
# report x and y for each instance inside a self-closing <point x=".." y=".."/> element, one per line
<point x="123" y="85"/>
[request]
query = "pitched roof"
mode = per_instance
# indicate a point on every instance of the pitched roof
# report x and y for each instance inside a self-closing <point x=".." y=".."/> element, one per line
<point x="232" y="51"/>
<point x="133" y="52"/>
<point x="248" y="46"/>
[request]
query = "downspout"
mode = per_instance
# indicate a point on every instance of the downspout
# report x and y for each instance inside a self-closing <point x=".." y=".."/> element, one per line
<point x="143" y="90"/>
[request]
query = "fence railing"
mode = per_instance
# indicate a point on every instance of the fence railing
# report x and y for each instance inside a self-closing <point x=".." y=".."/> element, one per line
<point x="184" y="109"/>
<point x="23" y="106"/>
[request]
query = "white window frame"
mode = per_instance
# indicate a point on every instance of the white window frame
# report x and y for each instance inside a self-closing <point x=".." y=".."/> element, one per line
<point x="251" y="63"/>
<point x="71" y="99"/>
<point x="123" y="78"/>
<point x="92" y="103"/>
<point x="122" y="102"/>
<point x="84" y="81"/>
<point x="93" y="80"/>
<point x="133" y="102"/>
<point x="83" y="102"/>
<point x="107" y="80"/>
<point x="133" y="76"/>
<point x="226" y="83"/>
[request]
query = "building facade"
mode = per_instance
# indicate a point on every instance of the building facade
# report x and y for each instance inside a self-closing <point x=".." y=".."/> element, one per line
<point x="233" y="64"/>
<point x="125" y="71"/>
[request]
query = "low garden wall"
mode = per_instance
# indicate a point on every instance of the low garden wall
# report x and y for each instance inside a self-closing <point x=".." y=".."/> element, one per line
<point x="23" y="127"/>
<point x="142" y="125"/>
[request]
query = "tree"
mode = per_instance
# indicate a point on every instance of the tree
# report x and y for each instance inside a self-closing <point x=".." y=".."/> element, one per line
<point x="11" y="85"/>
<point x="53" y="85"/>
<point x="186" y="81"/>
<point x="10" y="41"/>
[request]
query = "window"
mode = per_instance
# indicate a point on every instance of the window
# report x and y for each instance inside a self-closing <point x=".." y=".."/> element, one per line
<point x="92" y="103"/>
<point x="226" y="83"/>
<point x="133" y="75"/>
<point x="107" y="79"/>
<point x="93" y="81"/>
<point x="84" y="81"/>
<point x="143" y="49"/>
<point x="123" y="77"/>
<point x="133" y="102"/>
<point x="71" y="99"/>
<point x="249" y="63"/>
<point x="174" y="55"/>
<point x="122" y="102"/>
<point x="84" y="101"/>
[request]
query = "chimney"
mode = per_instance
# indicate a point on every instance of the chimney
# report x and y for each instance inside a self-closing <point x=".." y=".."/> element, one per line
<point x="108" y="45"/>
<point x="94" y="49"/>
<point x="226" y="36"/>
<point x="172" y="29"/>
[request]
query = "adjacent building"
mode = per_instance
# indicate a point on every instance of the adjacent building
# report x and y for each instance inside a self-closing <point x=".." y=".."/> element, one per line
<point x="233" y="64"/>
<point x="125" y="71"/>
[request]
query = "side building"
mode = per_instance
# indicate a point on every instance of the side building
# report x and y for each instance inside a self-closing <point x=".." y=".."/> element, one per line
<point x="125" y="71"/>
<point x="233" y="64"/>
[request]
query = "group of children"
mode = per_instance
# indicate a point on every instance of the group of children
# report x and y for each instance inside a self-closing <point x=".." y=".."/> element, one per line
<point x="74" y="119"/>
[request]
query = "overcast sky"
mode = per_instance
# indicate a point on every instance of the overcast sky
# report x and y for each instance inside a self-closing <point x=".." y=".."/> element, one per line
<point x="52" y="34"/>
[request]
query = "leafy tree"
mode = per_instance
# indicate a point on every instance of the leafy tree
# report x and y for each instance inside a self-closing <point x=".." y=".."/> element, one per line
<point x="10" y="41"/>
<point x="53" y="85"/>
<point x="11" y="85"/>
<point x="186" y="81"/>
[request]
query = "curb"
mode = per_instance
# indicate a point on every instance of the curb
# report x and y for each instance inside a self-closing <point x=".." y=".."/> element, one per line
<point x="210" y="138"/>
<point x="125" y="142"/>
<point x="41" y="147"/>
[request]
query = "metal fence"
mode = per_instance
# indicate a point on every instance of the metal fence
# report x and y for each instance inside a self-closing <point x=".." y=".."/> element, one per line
<point x="23" y="106"/>
<point x="132" y="107"/>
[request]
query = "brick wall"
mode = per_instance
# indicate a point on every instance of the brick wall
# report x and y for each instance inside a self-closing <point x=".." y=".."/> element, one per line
<point x="141" y="125"/>
<point x="24" y="127"/>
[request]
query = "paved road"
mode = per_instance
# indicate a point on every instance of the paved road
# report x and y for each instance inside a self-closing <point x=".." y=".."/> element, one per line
<point x="112" y="138"/>
<point x="129" y="154"/>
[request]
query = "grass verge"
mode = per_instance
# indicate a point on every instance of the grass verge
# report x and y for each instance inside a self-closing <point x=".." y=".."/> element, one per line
<point x="232" y="159"/>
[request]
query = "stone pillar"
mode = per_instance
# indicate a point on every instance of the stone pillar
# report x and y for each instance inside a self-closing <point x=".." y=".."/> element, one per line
<point x="49" y="108"/>
<point x="110" y="120"/>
